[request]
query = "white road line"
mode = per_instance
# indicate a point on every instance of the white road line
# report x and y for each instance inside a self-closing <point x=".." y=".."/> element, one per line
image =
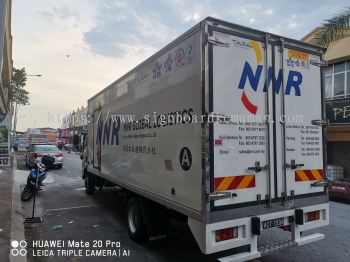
<point x="79" y="189"/>
<point x="68" y="171"/>
<point x="77" y="207"/>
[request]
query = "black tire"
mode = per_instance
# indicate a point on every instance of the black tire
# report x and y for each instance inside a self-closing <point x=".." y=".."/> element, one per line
<point x="135" y="220"/>
<point x="89" y="184"/>
<point x="27" y="193"/>
<point x="59" y="166"/>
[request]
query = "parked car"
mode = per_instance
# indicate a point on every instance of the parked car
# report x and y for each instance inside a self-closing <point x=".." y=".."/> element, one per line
<point x="39" y="150"/>
<point x="340" y="189"/>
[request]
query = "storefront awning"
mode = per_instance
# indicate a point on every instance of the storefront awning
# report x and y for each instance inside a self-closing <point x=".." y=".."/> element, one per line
<point x="338" y="133"/>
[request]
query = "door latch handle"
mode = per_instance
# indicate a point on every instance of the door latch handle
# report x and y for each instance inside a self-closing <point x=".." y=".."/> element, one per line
<point x="293" y="165"/>
<point x="221" y="195"/>
<point x="320" y="122"/>
<point x="320" y="183"/>
<point x="319" y="63"/>
<point x="257" y="168"/>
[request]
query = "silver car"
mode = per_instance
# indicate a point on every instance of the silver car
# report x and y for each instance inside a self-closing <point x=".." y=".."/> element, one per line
<point x="39" y="150"/>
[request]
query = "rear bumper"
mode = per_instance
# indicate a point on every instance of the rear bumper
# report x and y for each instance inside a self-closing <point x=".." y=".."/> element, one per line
<point x="58" y="160"/>
<point x="205" y="233"/>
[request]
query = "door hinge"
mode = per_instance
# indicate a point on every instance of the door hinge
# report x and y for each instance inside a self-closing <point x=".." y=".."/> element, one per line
<point x="217" y="41"/>
<point x="320" y="122"/>
<point x="268" y="201"/>
<point x="284" y="197"/>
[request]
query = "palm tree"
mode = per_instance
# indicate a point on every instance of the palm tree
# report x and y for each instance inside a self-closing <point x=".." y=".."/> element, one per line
<point x="334" y="28"/>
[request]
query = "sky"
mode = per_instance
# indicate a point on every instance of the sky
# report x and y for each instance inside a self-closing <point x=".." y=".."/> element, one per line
<point x="81" y="46"/>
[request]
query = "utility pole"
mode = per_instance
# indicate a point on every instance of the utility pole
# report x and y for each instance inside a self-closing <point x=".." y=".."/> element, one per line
<point x="15" y="117"/>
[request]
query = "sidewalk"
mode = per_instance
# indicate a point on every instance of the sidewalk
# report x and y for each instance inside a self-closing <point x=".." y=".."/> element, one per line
<point x="11" y="214"/>
<point x="6" y="184"/>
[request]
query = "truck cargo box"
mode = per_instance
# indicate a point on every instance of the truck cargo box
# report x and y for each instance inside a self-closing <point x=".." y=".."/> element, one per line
<point x="223" y="125"/>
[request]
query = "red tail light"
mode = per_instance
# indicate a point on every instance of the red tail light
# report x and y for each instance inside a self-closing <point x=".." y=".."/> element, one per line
<point x="226" y="234"/>
<point x="312" y="216"/>
<point x="59" y="154"/>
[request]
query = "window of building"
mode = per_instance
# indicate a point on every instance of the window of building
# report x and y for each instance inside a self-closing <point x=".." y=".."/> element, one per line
<point x="339" y="84"/>
<point x="328" y="85"/>
<point x="337" y="80"/>
<point x="348" y="82"/>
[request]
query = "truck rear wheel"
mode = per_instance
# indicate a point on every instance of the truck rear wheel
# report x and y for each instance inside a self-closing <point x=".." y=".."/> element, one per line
<point x="89" y="183"/>
<point x="135" y="220"/>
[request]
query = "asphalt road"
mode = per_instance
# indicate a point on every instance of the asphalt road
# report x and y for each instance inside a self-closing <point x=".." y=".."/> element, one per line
<point x="70" y="214"/>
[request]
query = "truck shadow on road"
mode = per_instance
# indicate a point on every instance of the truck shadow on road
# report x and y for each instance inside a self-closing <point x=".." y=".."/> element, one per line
<point x="104" y="219"/>
<point x="69" y="214"/>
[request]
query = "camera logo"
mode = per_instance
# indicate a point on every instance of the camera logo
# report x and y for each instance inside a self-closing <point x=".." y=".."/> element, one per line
<point x="18" y="248"/>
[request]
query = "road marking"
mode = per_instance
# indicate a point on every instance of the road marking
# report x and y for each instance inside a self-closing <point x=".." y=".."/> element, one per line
<point x="68" y="171"/>
<point x="79" y="189"/>
<point x="77" y="207"/>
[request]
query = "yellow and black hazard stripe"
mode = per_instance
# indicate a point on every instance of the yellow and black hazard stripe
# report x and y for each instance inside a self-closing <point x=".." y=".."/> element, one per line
<point x="308" y="175"/>
<point x="234" y="182"/>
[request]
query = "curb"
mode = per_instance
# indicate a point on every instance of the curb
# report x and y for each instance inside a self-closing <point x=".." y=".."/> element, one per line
<point x="17" y="217"/>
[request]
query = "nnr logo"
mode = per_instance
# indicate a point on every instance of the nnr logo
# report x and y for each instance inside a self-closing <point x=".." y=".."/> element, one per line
<point x="18" y="248"/>
<point x="108" y="131"/>
<point x="294" y="80"/>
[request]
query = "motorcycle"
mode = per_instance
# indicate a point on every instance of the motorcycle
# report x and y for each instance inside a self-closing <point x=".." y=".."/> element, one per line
<point x="35" y="183"/>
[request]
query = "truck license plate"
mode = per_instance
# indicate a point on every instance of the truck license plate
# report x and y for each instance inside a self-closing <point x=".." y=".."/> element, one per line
<point x="273" y="223"/>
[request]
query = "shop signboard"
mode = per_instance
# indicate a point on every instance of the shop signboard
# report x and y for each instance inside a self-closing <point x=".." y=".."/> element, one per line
<point x="5" y="124"/>
<point x="338" y="111"/>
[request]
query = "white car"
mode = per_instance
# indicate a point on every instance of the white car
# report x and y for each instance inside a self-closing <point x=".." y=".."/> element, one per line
<point x="39" y="150"/>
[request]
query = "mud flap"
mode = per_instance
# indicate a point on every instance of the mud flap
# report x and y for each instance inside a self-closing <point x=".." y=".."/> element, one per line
<point x="155" y="219"/>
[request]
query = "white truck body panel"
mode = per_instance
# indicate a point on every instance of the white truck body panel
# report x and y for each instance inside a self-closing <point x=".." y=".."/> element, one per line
<point x="140" y="159"/>
<point x="218" y="173"/>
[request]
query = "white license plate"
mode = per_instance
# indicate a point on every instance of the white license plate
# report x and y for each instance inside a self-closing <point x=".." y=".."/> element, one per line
<point x="273" y="223"/>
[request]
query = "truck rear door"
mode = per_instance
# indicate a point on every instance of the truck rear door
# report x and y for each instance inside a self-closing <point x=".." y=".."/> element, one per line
<point x="264" y="147"/>
<point x="298" y="106"/>
<point x="242" y="163"/>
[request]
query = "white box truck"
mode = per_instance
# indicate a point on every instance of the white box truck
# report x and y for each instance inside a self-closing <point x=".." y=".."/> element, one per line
<point x="222" y="127"/>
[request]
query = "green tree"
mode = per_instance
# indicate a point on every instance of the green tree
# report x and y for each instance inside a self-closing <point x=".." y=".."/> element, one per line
<point x="17" y="93"/>
<point x="334" y="28"/>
